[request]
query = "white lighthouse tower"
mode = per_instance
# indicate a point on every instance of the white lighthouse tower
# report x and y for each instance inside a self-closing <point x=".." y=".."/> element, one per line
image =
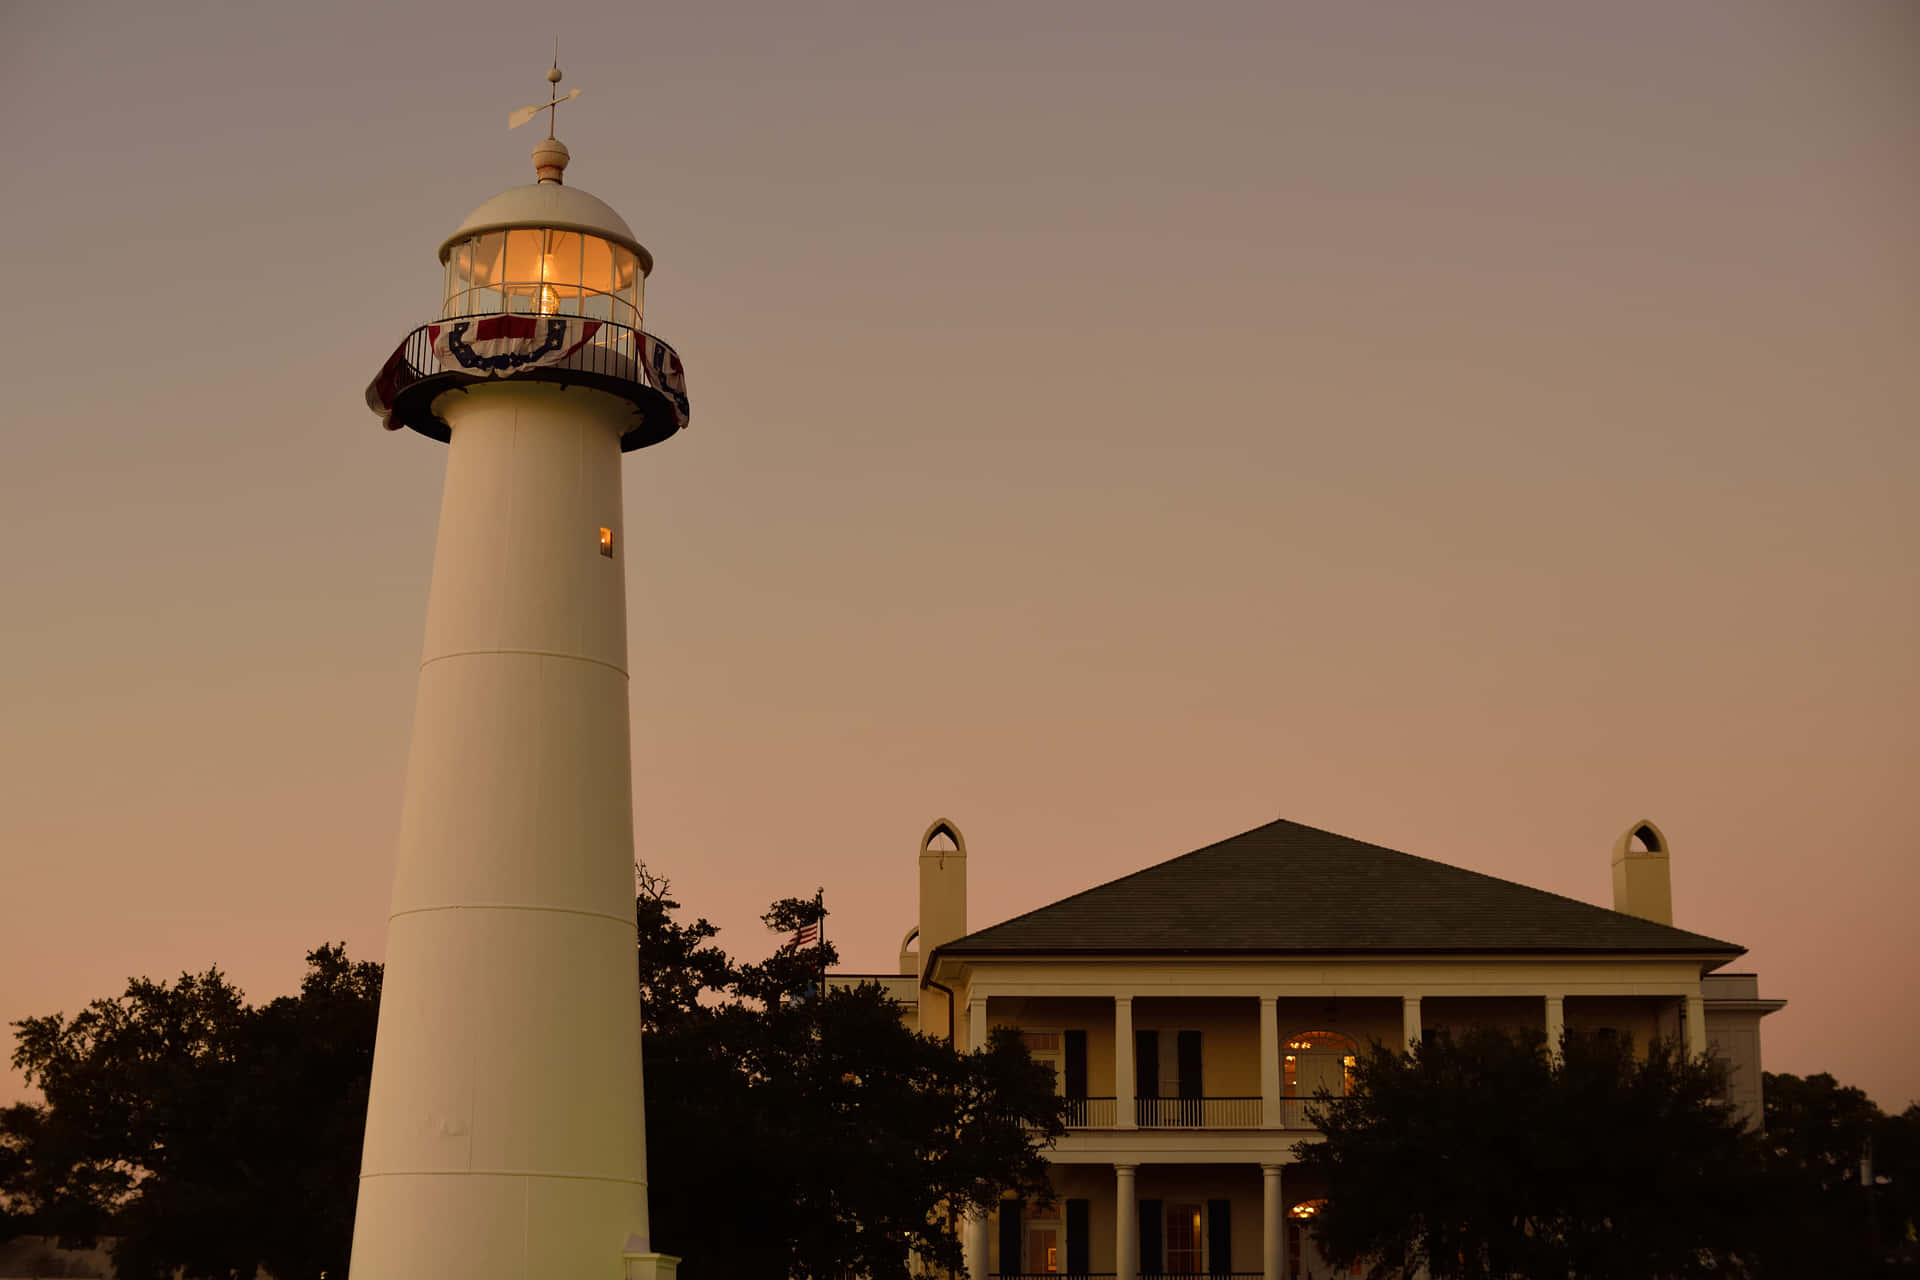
<point x="506" y="1134"/>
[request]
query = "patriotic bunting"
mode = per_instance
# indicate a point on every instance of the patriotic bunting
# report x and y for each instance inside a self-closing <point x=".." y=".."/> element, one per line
<point x="502" y="346"/>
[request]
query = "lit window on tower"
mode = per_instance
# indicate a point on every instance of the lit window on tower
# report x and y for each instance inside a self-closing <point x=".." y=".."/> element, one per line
<point x="606" y="542"/>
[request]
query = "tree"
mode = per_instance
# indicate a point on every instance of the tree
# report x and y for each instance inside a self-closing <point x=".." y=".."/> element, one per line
<point x="1823" y="1220"/>
<point x="800" y="1131"/>
<point x="1482" y="1157"/>
<point x="206" y="1135"/>
<point x="791" y="1130"/>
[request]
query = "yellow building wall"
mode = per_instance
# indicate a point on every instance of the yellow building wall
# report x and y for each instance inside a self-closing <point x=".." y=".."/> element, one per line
<point x="1047" y="1013"/>
<point x="1229" y="1039"/>
<point x="1459" y="1014"/>
<point x="1636" y="1016"/>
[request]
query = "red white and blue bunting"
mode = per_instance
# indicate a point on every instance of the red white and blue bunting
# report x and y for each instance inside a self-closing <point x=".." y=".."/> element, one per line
<point x="502" y="346"/>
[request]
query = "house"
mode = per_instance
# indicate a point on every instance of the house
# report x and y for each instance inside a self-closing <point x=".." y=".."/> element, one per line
<point x="1191" y="1010"/>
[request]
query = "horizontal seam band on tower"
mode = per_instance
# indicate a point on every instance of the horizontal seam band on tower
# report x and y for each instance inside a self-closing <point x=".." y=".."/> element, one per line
<point x="528" y="653"/>
<point x="504" y="1173"/>
<point x="510" y="906"/>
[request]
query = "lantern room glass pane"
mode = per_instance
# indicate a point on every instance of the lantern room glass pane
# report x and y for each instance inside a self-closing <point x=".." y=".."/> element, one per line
<point x="625" y="267"/>
<point x="489" y="258"/>
<point x="560" y="268"/>
<point x="596" y="268"/>
<point x="524" y="251"/>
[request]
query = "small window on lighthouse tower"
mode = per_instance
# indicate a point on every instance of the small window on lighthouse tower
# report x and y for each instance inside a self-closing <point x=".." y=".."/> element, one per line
<point x="606" y="542"/>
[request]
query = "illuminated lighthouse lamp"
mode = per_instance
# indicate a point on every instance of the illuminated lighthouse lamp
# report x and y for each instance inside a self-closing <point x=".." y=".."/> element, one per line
<point x="542" y="281"/>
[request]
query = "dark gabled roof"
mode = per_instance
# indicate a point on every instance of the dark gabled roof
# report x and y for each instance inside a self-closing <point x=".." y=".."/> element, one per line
<point x="1284" y="888"/>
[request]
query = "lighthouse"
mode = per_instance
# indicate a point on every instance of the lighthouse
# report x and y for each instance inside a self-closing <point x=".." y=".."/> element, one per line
<point x="506" y="1131"/>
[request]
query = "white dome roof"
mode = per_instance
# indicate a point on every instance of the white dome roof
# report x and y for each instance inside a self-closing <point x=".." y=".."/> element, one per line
<point x="549" y="204"/>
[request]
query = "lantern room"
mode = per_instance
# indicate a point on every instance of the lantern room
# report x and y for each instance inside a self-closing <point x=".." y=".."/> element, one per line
<point x="545" y="249"/>
<point x="543" y="282"/>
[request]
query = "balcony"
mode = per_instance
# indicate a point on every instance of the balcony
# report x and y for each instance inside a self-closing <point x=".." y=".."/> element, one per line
<point x="463" y="351"/>
<point x="1197" y="1113"/>
<point x="1185" y="1113"/>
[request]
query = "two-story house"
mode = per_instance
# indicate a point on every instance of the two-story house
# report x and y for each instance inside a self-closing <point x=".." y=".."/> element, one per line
<point x="1192" y="1009"/>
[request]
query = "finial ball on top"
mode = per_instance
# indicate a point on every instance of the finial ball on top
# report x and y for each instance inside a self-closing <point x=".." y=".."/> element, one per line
<point x="553" y="76"/>
<point x="550" y="158"/>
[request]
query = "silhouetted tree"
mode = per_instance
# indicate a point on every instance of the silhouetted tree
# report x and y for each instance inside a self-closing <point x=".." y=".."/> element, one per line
<point x="791" y="1130"/>
<point x="208" y="1136"/>
<point x="1483" y="1158"/>
<point x="798" y="1131"/>
<point x="1825" y="1219"/>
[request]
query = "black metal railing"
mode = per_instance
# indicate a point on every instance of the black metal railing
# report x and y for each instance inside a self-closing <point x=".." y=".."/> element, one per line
<point x="1111" y="1275"/>
<point x="1187" y="1113"/>
<point x="613" y="351"/>
<point x="461" y="350"/>
<point x="1197" y="1113"/>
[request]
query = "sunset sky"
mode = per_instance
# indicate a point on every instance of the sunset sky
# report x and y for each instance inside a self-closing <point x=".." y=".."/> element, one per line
<point x="1469" y="427"/>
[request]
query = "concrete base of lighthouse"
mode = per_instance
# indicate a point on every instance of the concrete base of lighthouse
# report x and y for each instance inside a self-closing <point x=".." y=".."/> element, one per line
<point x="652" y="1266"/>
<point x="506" y="1135"/>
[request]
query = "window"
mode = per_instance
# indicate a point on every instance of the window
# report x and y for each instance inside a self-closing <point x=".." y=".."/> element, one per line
<point x="1043" y="1249"/>
<point x="1185" y="1239"/>
<point x="543" y="271"/>
<point x="1315" y="1060"/>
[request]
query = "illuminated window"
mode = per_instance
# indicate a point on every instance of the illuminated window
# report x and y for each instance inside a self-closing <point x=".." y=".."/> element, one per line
<point x="1318" y="1060"/>
<point x="606" y="542"/>
<point x="543" y="271"/>
<point x="1184" y="1237"/>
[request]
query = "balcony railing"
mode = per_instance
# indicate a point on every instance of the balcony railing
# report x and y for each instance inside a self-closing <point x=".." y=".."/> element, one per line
<point x="461" y="350"/>
<point x="1186" y="1113"/>
<point x="1197" y="1113"/>
<point x="1293" y="1113"/>
<point x="1092" y="1113"/>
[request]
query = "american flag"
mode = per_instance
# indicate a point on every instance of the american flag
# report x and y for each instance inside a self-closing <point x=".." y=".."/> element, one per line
<point x="807" y="936"/>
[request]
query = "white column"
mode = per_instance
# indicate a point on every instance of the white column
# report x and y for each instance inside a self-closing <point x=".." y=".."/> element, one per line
<point x="1126" y="1224"/>
<point x="973" y="1244"/>
<point x="1123" y="1108"/>
<point x="1270" y="1116"/>
<point x="1410" y="1019"/>
<point x="1273" y="1224"/>
<point x="1696" y="1024"/>
<point x="976" y="1021"/>
<point x="1556" y="1025"/>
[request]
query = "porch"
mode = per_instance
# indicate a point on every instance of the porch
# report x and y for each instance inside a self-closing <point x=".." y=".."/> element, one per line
<point x="1239" y="1221"/>
<point x="1227" y="1064"/>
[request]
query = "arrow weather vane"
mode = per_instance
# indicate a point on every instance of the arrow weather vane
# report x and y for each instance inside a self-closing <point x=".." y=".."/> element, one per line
<point x="517" y="118"/>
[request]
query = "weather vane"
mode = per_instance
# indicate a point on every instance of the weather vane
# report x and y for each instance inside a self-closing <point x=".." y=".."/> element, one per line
<point x="517" y="118"/>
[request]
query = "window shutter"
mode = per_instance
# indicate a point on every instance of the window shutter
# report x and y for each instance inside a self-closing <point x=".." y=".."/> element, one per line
<point x="1010" y="1238"/>
<point x="1189" y="1050"/>
<point x="1079" y="1262"/>
<point x="1152" y="1224"/>
<point x="1076" y="1065"/>
<point x="1220" y="1237"/>
<point x="1146" y="1064"/>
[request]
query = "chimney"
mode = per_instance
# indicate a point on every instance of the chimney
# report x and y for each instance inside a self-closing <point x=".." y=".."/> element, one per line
<point x="943" y="888"/>
<point x="1641" y="883"/>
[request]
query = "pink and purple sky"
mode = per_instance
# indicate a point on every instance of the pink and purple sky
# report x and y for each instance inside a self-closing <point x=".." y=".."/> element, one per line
<point x="1471" y="428"/>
